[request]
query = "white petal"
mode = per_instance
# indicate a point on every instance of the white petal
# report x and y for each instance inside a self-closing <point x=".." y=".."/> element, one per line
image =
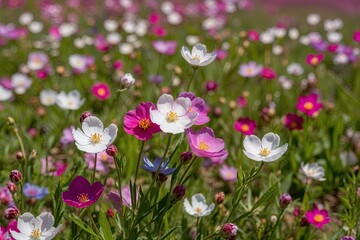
<point x="192" y="117"/>
<point x="111" y="130"/>
<point x="171" y="127"/>
<point x="209" y="58"/>
<point x="165" y="102"/>
<point x="252" y="144"/>
<point x="54" y="231"/>
<point x="19" y="236"/>
<point x="185" y="53"/>
<point x="252" y="156"/>
<point x="91" y="148"/>
<point x="157" y="117"/>
<point x="47" y="221"/>
<point x="80" y="137"/>
<point x="270" y="141"/>
<point x="188" y="208"/>
<point x="24" y="223"/>
<point x="197" y="198"/>
<point x="181" y="106"/>
<point x="276" y="153"/>
<point x="198" y="50"/>
<point x="92" y="125"/>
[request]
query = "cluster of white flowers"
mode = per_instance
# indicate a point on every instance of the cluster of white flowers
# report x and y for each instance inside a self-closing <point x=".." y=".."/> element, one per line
<point x="68" y="101"/>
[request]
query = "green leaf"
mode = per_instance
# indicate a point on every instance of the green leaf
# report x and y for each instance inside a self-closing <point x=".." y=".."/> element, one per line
<point x="83" y="225"/>
<point x="105" y="229"/>
<point x="266" y="196"/>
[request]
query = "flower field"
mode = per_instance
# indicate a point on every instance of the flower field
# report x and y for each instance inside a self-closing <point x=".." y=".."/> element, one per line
<point x="205" y="119"/>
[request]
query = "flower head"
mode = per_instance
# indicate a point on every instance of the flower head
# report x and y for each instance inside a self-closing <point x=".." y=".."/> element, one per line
<point x="198" y="55"/>
<point x="268" y="73"/>
<point x="101" y="91"/>
<point x="227" y="173"/>
<point x="173" y="116"/>
<point x="41" y="228"/>
<point x="5" y="94"/>
<point x="309" y="104"/>
<point x="229" y="231"/>
<point x="293" y="121"/>
<point x="266" y="150"/>
<point x="317" y="217"/>
<point x="198" y="206"/>
<point x="81" y="193"/>
<point x="37" y="60"/>
<point x="250" y="69"/>
<point x="67" y="136"/>
<point x="198" y="105"/>
<point x="52" y="167"/>
<point x="313" y="171"/>
<point x="48" y="97"/>
<point x="114" y="197"/>
<point x="153" y="167"/>
<point x="33" y="191"/>
<point x="72" y="100"/>
<point x="314" y="59"/>
<point x="165" y="47"/>
<point x="138" y="122"/>
<point x="245" y="126"/>
<point x="93" y="138"/>
<point x="102" y="165"/>
<point x="20" y="83"/>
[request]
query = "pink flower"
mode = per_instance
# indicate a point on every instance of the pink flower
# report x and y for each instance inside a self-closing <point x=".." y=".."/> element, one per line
<point x="52" y="167"/>
<point x="293" y="121"/>
<point x="356" y="36"/>
<point x="227" y="173"/>
<point x="114" y="197"/>
<point x="138" y="122"/>
<point x="220" y="54"/>
<point x="242" y="101"/>
<point x="204" y="144"/>
<point x="165" y="47"/>
<point x="317" y="217"/>
<point x="250" y="69"/>
<point x="253" y="35"/>
<point x="314" y="59"/>
<point x="159" y="31"/>
<point x="197" y="105"/>
<point x="309" y="104"/>
<point x="245" y="126"/>
<point x="67" y="136"/>
<point x="268" y="73"/>
<point x="101" y="91"/>
<point x="103" y="161"/>
<point x="154" y="18"/>
<point x="118" y="64"/>
<point x="101" y="44"/>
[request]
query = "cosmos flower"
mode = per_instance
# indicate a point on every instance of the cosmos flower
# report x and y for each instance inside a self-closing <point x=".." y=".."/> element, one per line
<point x="165" y="47"/>
<point x="78" y="63"/>
<point x="293" y="122"/>
<point x="48" y="97"/>
<point x="67" y="136"/>
<point x="198" y="55"/>
<point x="37" y="60"/>
<point x="93" y="138"/>
<point x="309" y="104"/>
<point x="70" y="101"/>
<point x="318" y="218"/>
<point x="41" y="228"/>
<point x="33" y="191"/>
<point x="81" y="193"/>
<point x="312" y="171"/>
<point x="245" y="126"/>
<point x="101" y="91"/>
<point x="227" y="173"/>
<point x="266" y="150"/>
<point x="198" y="206"/>
<point x="20" y="83"/>
<point x="314" y="59"/>
<point x="268" y="73"/>
<point x="250" y="69"/>
<point x="295" y="69"/>
<point x="198" y="105"/>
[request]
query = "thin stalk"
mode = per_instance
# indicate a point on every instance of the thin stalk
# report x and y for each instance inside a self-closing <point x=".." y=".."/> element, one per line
<point x="94" y="170"/>
<point x="16" y="131"/>
<point x="138" y="160"/>
<point x="192" y="77"/>
<point x="277" y="222"/>
<point x="186" y="170"/>
<point x="92" y="222"/>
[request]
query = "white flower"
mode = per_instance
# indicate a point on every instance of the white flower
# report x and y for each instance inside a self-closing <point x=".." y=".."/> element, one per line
<point x="20" y="83"/>
<point x="266" y="149"/>
<point x="5" y="94"/>
<point x="94" y="138"/>
<point x="295" y="69"/>
<point x="127" y="80"/>
<point x="293" y="33"/>
<point x="36" y="27"/>
<point x="67" y="29"/>
<point x="267" y="37"/>
<point x="26" y="18"/>
<point x="48" y="97"/>
<point x="173" y="116"/>
<point x="78" y="62"/>
<point x="126" y="48"/>
<point x="313" y="171"/>
<point x="41" y="228"/>
<point x="198" y="206"/>
<point x="313" y="19"/>
<point x="71" y="101"/>
<point x="113" y="38"/>
<point x="333" y="25"/>
<point x="198" y="55"/>
<point x="111" y="25"/>
<point x="334" y="37"/>
<point x="174" y="18"/>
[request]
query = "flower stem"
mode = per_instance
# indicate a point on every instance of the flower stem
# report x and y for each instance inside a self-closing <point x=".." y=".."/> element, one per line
<point x="92" y="221"/>
<point x="138" y="160"/>
<point x="277" y="223"/>
<point x="16" y="131"/>
<point x="187" y="169"/>
<point x="94" y="170"/>
<point x="192" y="77"/>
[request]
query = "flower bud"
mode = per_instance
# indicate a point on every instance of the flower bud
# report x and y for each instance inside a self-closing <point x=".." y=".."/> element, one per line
<point x="159" y="178"/>
<point x="19" y="155"/>
<point x="15" y="176"/>
<point x="127" y="81"/>
<point x="11" y="121"/>
<point x="211" y="86"/>
<point x="85" y="115"/>
<point x="11" y="213"/>
<point x="186" y="157"/>
<point x="285" y="200"/>
<point x="219" y="198"/>
<point x="12" y="187"/>
<point x="33" y="154"/>
<point x="179" y="192"/>
<point x="110" y="212"/>
<point x="229" y="230"/>
<point x="347" y="238"/>
<point x="304" y="222"/>
<point x="112" y="150"/>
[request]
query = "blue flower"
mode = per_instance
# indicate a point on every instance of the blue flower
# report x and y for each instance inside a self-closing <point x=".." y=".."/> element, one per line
<point x="153" y="167"/>
<point x="33" y="191"/>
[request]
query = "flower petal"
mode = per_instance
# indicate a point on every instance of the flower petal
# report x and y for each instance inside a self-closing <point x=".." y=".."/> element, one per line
<point x="276" y="153"/>
<point x="270" y="141"/>
<point x="111" y="130"/>
<point x="24" y="223"/>
<point x="165" y="102"/>
<point x="252" y="144"/>
<point x="92" y="125"/>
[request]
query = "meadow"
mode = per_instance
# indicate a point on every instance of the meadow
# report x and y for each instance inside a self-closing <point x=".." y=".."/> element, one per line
<point x="214" y="119"/>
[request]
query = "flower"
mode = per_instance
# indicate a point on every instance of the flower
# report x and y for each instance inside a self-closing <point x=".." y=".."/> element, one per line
<point x="138" y="122"/>
<point x="78" y="63"/>
<point x="127" y="81"/>
<point x="67" y="136"/>
<point x="268" y="73"/>
<point x="295" y="69"/>
<point x="81" y="193"/>
<point x="198" y="55"/>
<point x="245" y="126"/>
<point x="33" y="191"/>
<point x="37" y="60"/>
<point x="266" y="150"/>
<point x="52" y="167"/>
<point x="308" y="104"/>
<point x="173" y="116"/>
<point x="5" y="94"/>
<point x="71" y="101"/>
<point x="20" y="83"/>
<point x="227" y="173"/>
<point x="30" y="227"/>
<point x="153" y="167"/>
<point x="102" y="165"/>
<point x="229" y="231"/>
<point x="204" y="144"/>
<point x="93" y="138"/>
<point x="11" y="213"/>
<point x="317" y="217"/>
<point x="313" y="171"/>
<point x="356" y="36"/>
<point x="347" y="238"/>
<point x="165" y="47"/>
<point x="126" y="197"/>
<point x="101" y="91"/>
<point x="197" y="105"/>
<point x="314" y="59"/>
<point x="285" y="200"/>
<point x="48" y="97"/>
<point x="250" y="69"/>
<point x="293" y="121"/>
<point x="198" y="206"/>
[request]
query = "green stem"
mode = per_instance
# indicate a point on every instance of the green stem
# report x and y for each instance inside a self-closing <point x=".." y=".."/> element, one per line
<point x="94" y="170"/>
<point x="277" y="223"/>
<point x="16" y="131"/>
<point x="138" y="160"/>
<point x="22" y="197"/>
<point x="192" y="77"/>
<point x="186" y="170"/>
<point x="92" y="222"/>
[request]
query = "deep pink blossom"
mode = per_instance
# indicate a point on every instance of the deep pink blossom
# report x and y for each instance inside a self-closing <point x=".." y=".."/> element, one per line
<point x="356" y="36"/>
<point x="268" y="73"/>
<point x="293" y="121"/>
<point x="309" y="104"/>
<point x="318" y="218"/>
<point x="101" y="91"/>
<point x="253" y="35"/>
<point x="314" y="59"/>
<point x="245" y="126"/>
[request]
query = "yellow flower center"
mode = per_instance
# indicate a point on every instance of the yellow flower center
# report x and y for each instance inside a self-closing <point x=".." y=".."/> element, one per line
<point x="245" y="127"/>
<point x="314" y="61"/>
<point x="83" y="198"/>
<point x="264" y="152"/>
<point x="144" y="123"/>
<point x="293" y="124"/>
<point x="95" y="138"/>
<point x="172" y="116"/>
<point x="203" y="146"/>
<point x="308" y="105"/>
<point x="249" y="71"/>
<point x="198" y="210"/>
<point x="35" y="233"/>
<point x="318" y="218"/>
<point x="101" y="92"/>
<point x="196" y="57"/>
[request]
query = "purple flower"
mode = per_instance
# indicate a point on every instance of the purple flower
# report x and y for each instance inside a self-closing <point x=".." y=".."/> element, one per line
<point x="165" y="47"/>
<point x="197" y="105"/>
<point x="102" y="165"/>
<point x="347" y="238"/>
<point x="6" y="197"/>
<point x="33" y="191"/>
<point x="153" y="167"/>
<point x="67" y="136"/>
<point x="52" y="167"/>
<point x="227" y="173"/>
<point x="126" y="197"/>
<point x="81" y="193"/>
<point x="250" y="69"/>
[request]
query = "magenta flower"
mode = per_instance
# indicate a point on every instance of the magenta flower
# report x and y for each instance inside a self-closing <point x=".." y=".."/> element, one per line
<point x="314" y="59"/>
<point x="101" y="91"/>
<point x="268" y="73"/>
<point x="81" y="193"/>
<point x="204" y="144"/>
<point x="309" y="104"/>
<point x="293" y="121"/>
<point x="317" y="217"/>
<point x="356" y="36"/>
<point x="197" y="105"/>
<point x="138" y="123"/>
<point x="101" y="44"/>
<point x="253" y="35"/>
<point x="245" y="126"/>
<point x="165" y="47"/>
<point x="242" y="101"/>
<point x="52" y="167"/>
<point x="227" y="173"/>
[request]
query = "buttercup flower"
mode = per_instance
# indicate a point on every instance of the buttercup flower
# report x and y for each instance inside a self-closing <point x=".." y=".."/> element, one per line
<point x="33" y="191"/>
<point x="138" y="122"/>
<point x="245" y="126"/>
<point x="41" y="228"/>
<point x="197" y="105"/>
<point x="266" y="150"/>
<point x="93" y="138"/>
<point x="313" y="171"/>
<point x="71" y="101"/>
<point x="153" y="167"/>
<point x="81" y="193"/>
<point x="198" y="55"/>
<point x="250" y="69"/>
<point x="198" y="206"/>
<point x="173" y="116"/>
<point x="309" y="104"/>
<point x="318" y="218"/>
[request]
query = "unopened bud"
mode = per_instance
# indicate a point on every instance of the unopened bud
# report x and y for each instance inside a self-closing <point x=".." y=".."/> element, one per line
<point x="186" y="157"/>
<point x="110" y="212"/>
<point x="12" y="187"/>
<point x="229" y="230"/>
<point x="19" y="155"/>
<point x="33" y="154"/>
<point x="127" y="81"/>
<point x="219" y="198"/>
<point x="11" y="121"/>
<point x="11" y="213"/>
<point x="179" y="192"/>
<point x="15" y="176"/>
<point x="85" y="115"/>
<point x="112" y="150"/>
<point x="285" y="200"/>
